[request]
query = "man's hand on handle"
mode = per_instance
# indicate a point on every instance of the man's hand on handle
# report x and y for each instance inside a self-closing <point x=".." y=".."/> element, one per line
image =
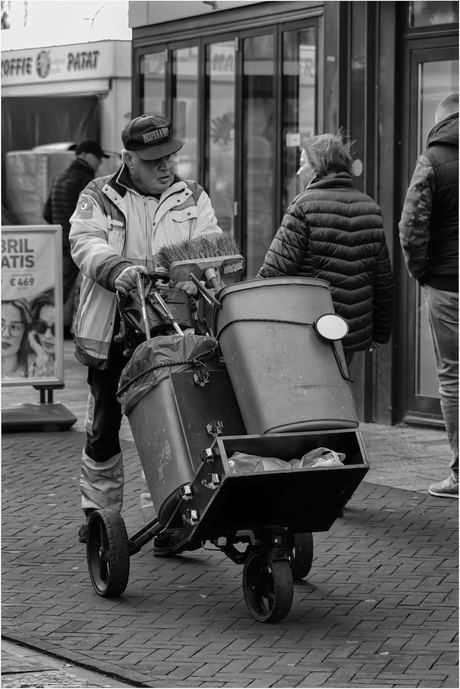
<point x="187" y="287"/>
<point x="127" y="280"/>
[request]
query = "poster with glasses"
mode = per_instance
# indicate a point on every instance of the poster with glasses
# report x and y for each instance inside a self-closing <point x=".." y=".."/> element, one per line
<point x="32" y="309"/>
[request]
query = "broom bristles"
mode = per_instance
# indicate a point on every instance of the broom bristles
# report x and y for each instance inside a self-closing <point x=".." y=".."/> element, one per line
<point x="209" y="246"/>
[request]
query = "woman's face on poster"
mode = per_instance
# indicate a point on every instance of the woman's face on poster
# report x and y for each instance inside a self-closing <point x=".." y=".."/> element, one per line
<point x="45" y="328"/>
<point x="12" y="330"/>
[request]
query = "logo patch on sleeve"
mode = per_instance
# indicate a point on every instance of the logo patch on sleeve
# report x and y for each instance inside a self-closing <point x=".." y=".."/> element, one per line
<point x="85" y="208"/>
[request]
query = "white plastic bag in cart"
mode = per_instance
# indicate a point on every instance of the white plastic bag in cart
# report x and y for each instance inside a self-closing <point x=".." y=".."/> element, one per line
<point x="242" y="463"/>
<point x="320" y="456"/>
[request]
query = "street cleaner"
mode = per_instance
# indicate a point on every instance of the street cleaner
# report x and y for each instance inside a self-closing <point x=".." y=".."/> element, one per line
<point x="120" y="223"/>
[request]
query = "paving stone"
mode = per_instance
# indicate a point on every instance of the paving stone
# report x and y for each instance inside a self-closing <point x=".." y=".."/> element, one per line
<point x="384" y="580"/>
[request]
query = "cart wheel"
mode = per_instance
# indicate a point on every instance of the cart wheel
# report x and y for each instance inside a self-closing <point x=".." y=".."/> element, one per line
<point x="107" y="553"/>
<point x="302" y="549"/>
<point x="268" y="588"/>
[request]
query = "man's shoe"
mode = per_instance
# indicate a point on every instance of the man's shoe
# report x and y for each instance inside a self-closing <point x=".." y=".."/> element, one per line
<point x="163" y="545"/>
<point x="83" y="530"/>
<point x="82" y="533"/>
<point x="445" y="489"/>
<point x="166" y="545"/>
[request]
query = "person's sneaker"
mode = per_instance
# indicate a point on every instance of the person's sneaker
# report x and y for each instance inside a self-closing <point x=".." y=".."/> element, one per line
<point x="166" y="545"/>
<point x="445" y="489"/>
<point x="82" y="533"/>
<point x="163" y="545"/>
<point x="83" y="530"/>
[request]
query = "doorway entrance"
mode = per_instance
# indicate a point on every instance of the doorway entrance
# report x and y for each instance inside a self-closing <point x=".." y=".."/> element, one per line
<point x="431" y="74"/>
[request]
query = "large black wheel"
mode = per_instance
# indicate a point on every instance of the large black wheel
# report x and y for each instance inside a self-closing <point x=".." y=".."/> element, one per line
<point x="107" y="553"/>
<point x="301" y="545"/>
<point x="268" y="588"/>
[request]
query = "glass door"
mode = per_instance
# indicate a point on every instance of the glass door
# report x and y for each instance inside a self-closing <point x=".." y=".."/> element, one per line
<point x="433" y="75"/>
<point x="242" y="103"/>
<point x="258" y="190"/>
<point x="185" y="109"/>
<point x="220" y="131"/>
<point x="152" y="83"/>
<point x="436" y="80"/>
<point x="299" y="104"/>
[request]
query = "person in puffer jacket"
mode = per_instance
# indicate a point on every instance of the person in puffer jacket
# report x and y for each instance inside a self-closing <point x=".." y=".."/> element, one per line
<point x="334" y="232"/>
<point x="119" y="224"/>
<point x="428" y="233"/>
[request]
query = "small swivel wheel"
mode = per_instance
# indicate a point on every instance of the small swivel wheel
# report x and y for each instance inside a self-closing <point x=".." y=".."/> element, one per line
<point x="268" y="588"/>
<point x="107" y="553"/>
<point x="301" y="545"/>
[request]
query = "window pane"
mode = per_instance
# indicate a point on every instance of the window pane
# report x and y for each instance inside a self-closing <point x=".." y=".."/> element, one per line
<point x="436" y="81"/>
<point x="152" y="83"/>
<point x="429" y="13"/>
<point x="220" y="72"/>
<point x="259" y="147"/>
<point x="299" y="104"/>
<point x="185" y="104"/>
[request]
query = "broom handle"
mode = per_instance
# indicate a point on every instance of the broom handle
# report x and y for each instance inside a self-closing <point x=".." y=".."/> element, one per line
<point x="206" y="293"/>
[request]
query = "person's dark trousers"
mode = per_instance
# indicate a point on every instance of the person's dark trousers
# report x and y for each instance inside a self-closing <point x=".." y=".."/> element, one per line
<point x="442" y="309"/>
<point x="70" y="274"/>
<point x="102" y="479"/>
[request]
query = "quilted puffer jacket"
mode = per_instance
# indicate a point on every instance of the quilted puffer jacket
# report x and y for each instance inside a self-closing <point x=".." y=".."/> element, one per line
<point x="334" y="232"/>
<point x="64" y="195"/>
<point x="428" y="229"/>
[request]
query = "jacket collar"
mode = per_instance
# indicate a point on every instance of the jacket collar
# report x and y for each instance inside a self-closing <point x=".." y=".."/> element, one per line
<point x="333" y="180"/>
<point x="121" y="182"/>
<point x="116" y="185"/>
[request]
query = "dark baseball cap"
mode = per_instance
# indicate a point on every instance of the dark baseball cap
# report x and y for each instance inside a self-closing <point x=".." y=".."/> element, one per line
<point x="149" y="136"/>
<point x="90" y="146"/>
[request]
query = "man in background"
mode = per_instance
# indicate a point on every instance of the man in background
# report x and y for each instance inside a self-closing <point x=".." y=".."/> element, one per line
<point x="63" y="199"/>
<point x="428" y="233"/>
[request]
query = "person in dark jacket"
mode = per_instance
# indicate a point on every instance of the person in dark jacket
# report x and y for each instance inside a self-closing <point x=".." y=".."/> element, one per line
<point x="334" y="232"/>
<point x="63" y="200"/>
<point x="428" y="233"/>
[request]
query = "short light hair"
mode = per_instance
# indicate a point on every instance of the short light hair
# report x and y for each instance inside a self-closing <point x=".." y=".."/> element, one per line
<point x="446" y="107"/>
<point x="328" y="153"/>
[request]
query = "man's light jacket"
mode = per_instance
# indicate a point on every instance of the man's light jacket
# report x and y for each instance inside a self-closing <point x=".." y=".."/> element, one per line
<point x="114" y="227"/>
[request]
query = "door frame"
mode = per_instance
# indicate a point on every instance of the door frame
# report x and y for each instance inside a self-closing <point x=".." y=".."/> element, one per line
<point x="414" y="408"/>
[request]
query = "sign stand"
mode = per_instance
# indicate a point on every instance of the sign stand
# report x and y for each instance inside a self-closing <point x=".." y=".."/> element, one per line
<point x="44" y="416"/>
<point x="32" y="326"/>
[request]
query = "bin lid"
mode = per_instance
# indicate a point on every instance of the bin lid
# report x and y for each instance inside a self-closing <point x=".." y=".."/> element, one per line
<point x="271" y="282"/>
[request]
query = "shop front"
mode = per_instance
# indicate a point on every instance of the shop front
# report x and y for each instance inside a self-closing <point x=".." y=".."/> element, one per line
<point x="246" y="82"/>
<point x="65" y="93"/>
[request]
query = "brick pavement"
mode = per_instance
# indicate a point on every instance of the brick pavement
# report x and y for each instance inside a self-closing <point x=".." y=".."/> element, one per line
<point x="25" y="667"/>
<point x="379" y="608"/>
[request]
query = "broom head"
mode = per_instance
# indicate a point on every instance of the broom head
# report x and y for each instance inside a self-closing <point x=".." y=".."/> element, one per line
<point x="197" y="255"/>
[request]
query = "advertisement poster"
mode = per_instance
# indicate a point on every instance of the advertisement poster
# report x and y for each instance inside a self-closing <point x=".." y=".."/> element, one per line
<point x="32" y="309"/>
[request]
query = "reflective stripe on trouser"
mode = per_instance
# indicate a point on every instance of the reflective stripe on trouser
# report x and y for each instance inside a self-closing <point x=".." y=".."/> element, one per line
<point x="101" y="483"/>
<point x="147" y="506"/>
<point x="102" y="461"/>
